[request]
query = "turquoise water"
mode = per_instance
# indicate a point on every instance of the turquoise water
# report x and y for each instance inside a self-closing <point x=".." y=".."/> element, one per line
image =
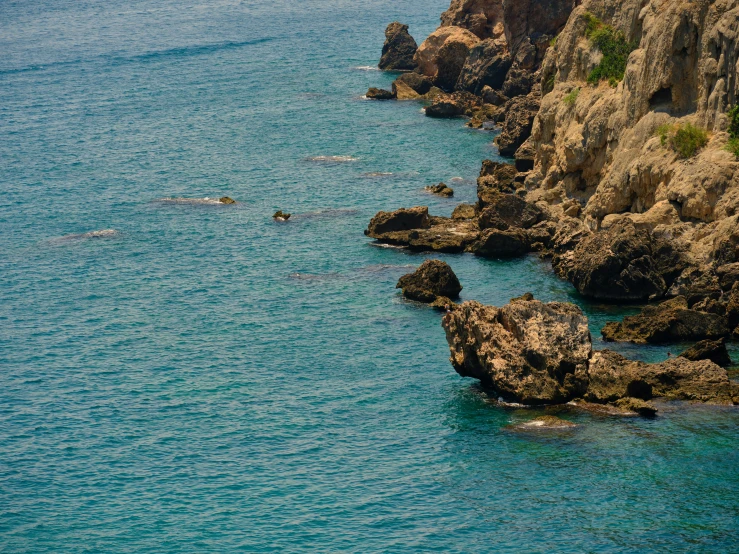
<point x="207" y="380"/>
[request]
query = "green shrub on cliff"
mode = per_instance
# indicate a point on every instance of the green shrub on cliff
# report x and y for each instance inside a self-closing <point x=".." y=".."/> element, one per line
<point x="685" y="139"/>
<point x="614" y="47"/>
<point x="571" y="98"/>
<point x="733" y="145"/>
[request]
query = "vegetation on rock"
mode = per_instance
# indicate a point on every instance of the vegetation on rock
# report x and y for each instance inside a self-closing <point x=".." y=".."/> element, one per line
<point x="614" y="47"/>
<point x="733" y="145"/>
<point x="685" y="139"/>
<point x="571" y="98"/>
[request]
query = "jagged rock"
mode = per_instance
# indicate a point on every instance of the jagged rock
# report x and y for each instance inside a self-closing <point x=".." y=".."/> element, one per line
<point x="379" y="94"/>
<point x="732" y="309"/>
<point x="464" y="211"/>
<point x="696" y="285"/>
<point x="728" y="275"/>
<point x="638" y="406"/>
<point x="443" y="54"/>
<point x="416" y="230"/>
<point x="281" y="216"/>
<point x="526" y="351"/>
<point x="612" y="377"/>
<point x="452" y="105"/>
<point x="486" y="66"/>
<point x="493" y="97"/>
<point x="484" y="117"/>
<point x="494" y="243"/>
<point x="399" y="49"/>
<point x="714" y="350"/>
<point x="516" y="129"/>
<point x="620" y="263"/>
<point x="525" y="156"/>
<point x="227" y="200"/>
<point x="670" y="321"/>
<point x="410" y="86"/>
<point x="519" y="82"/>
<point x="482" y="17"/>
<point x="495" y="177"/>
<point x="442" y="303"/>
<point x="508" y="210"/>
<point x="433" y="279"/>
<point x="441" y="189"/>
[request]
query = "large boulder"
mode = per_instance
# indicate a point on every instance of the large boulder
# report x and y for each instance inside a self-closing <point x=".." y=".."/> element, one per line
<point x="399" y="49"/>
<point x="497" y="243"/>
<point x="526" y="351"/>
<point x="403" y="219"/>
<point x="453" y="105"/>
<point x="410" y="86"/>
<point x="379" y="94"/>
<point x="670" y="321"/>
<point x="516" y="129"/>
<point x="495" y="177"/>
<point x="714" y="350"/>
<point x="621" y="263"/>
<point x="484" y="18"/>
<point x="443" y="54"/>
<point x="433" y="279"/>
<point x="487" y="65"/>
<point x="612" y="377"/>
<point x="509" y="210"/>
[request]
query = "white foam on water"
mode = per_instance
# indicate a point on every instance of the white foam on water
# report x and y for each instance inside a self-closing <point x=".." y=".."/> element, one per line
<point x="191" y="201"/>
<point x="332" y="159"/>
<point x="100" y="234"/>
<point x="366" y="68"/>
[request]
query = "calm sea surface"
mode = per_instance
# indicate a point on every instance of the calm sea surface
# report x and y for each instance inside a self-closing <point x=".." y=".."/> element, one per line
<point x="203" y="379"/>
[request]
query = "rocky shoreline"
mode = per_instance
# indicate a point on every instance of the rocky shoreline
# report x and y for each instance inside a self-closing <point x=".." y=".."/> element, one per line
<point x="619" y="120"/>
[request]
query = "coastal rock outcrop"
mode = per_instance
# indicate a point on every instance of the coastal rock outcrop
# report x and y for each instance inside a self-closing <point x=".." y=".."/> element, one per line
<point x="713" y="350"/>
<point x="399" y="49"/>
<point x="411" y="86"/>
<point x="441" y="190"/>
<point x="516" y="128"/>
<point x="526" y="351"/>
<point x="537" y="353"/>
<point x="379" y="94"/>
<point x="281" y="216"/>
<point x="670" y="321"/>
<point x="433" y="279"/>
<point x="443" y="54"/>
<point x="453" y="105"/>
<point x="621" y="263"/>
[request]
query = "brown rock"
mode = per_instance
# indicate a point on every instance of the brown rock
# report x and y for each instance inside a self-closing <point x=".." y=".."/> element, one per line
<point x="714" y="350"/>
<point x="281" y="216"/>
<point x="441" y="189"/>
<point x="399" y="49"/>
<point x="495" y="243"/>
<point x="464" y="211"/>
<point x="399" y="220"/>
<point x="379" y="94"/>
<point x="508" y="210"/>
<point x="227" y="200"/>
<point x="442" y="55"/>
<point x="486" y="66"/>
<point x="433" y="279"/>
<point x="516" y="129"/>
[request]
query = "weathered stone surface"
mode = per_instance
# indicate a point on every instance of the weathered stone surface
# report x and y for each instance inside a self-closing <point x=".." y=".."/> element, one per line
<point x="443" y="54"/>
<point x="487" y="65"/>
<point x="411" y="85"/>
<point x="612" y="377"/>
<point x="525" y="156"/>
<point x="714" y="350"/>
<point x="638" y="406"/>
<point x="453" y="105"/>
<point x="516" y="129"/>
<point x="527" y="351"/>
<point x="403" y="219"/>
<point x="620" y="263"/>
<point x="433" y="279"/>
<point x="696" y="285"/>
<point x="670" y="321"/>
<point x="379" y="94"/>
<point x="399" y="49"/>
<point x="508" y="210"/>
<point x="227" y="200"/>
<point x="464" y="211"/>
<point x="441" y="189"/>
<point x="495" y="177"/>
<point x="495" y="243"/>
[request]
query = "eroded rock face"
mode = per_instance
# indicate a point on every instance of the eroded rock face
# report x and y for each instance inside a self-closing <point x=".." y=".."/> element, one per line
<point x="611" y="377"/>
<point x="503" y="211"/>
<point x="446" y="106"/>
<point x="379" y="94"/>
<point x="670" y="321"/>
<point x="487" y="65"/>
<point x="433" y="279"/>
<point x="527" y="351"/>
<point x="496" y="243"/>
<point x="713" y="350"/>
<point x="516" y="129"/>
<point x="443" y="54"/>
<point x="403" y="219"/>
<point x="411" y="86"/>
<point x="399" y="49"/>
<point x="620" y="263"/>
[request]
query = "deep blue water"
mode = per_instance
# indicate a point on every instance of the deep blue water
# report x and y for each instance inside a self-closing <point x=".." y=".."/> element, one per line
<point x="208" y="380"/>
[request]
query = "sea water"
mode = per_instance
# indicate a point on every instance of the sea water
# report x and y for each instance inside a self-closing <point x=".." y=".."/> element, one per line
<point x="187" y="376"/>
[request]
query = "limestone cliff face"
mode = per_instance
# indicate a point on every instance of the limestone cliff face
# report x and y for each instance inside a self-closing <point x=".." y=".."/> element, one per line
<point x="598" y="144"/>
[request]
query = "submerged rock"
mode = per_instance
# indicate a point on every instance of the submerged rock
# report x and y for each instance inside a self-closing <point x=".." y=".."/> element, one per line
<point x="281" y="216"/>
<point x="432" y="280"/>
<point x="379" y="94"/>
<point x="399" y="49"/>
<point x="670" y="321"/>
<point x="441" y="189"/>
<point x="714" y="350"/>
<point x="227" y="200"/>
<point x="543" y="423"/>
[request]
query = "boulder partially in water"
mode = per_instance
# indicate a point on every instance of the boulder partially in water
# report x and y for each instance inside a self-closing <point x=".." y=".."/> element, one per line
<point x="526" y="351"/>
<point x="399" y="49"/>
<point x="227" y="200"/>
<point x="714" y="350"/>
<point x="669" y="321"/>
<point x="379" y="94"/>
<point x="281" y="216"/>
<point x="441" y="189"/>
<point x="432" y="280"/>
